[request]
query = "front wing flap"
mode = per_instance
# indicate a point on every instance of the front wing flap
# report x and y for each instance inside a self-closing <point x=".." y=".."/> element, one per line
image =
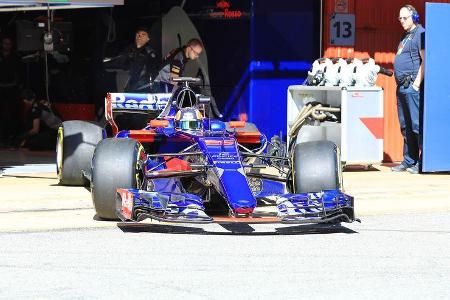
<point x="326" y="206"/>
<point x="137" y="205"/>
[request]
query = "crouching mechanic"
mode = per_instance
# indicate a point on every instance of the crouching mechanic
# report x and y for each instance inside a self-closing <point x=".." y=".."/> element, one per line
<point x="174" y="63"/>
<point x="44" y="124"/>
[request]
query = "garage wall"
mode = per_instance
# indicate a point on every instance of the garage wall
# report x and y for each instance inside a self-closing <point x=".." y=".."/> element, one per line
<point x="436" y="110"/>
<point x="377" y="35"/>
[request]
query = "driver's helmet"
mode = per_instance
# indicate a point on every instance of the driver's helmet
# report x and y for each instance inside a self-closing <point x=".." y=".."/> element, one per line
<point x="188" y="119"/>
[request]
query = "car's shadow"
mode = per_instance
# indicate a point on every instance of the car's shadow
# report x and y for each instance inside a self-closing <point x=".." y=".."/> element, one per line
<point x="235" y="229"/>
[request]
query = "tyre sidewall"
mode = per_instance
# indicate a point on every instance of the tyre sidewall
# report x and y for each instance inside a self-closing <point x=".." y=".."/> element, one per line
<point x="316" y="167"/>
<point x="117" y="163"/>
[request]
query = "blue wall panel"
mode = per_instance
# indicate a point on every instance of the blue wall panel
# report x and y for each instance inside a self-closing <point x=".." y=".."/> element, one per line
<point x="268" y="104"/>
<point x="284" y="41"/>
<point x="284" y="33"/>
<point x="436" y="110"/>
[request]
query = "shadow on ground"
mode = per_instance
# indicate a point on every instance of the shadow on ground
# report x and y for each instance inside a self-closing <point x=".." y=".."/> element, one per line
<point x="21" y="157"/>
<point x="234" y="229"/>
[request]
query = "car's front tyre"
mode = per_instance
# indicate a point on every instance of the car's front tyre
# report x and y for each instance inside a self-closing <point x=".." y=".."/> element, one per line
<point x="117" y="163"/>
<point x="316" y="167"/>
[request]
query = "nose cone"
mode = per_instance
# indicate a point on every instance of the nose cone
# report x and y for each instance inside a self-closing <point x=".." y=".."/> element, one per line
<point x="243" y="206"/>
<point x="243" y="210"/>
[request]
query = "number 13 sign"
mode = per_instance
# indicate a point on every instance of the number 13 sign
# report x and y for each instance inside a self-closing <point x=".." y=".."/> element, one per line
<point x="342" y="30"/>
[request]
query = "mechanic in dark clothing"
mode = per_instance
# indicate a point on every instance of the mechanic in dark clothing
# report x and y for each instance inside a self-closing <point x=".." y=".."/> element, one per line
<point x="141" y="61"/>
<point x="409" y="71"/>
<point x="9" y="91"/>
<point x="143" y="64"/>
<point x="44" y="124"/>
<point x="174" y="63"/>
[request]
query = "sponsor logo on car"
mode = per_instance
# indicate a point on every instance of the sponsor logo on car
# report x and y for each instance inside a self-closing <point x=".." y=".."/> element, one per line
<point x="139" y="101"/>
<point x="127" y="203"/>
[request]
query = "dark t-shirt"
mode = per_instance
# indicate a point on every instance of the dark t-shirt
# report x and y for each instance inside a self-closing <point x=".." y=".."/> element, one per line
<point x="143" y="65"/>
<point x="407" y="59"/>
<point x="173" y="65"/>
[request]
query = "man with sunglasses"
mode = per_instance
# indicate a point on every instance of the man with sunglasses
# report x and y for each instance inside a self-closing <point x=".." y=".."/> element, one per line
<point x="408" y="71"/>
<point x="174" y="63"/>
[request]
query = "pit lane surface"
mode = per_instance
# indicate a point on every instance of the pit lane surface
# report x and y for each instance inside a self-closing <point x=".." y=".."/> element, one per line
<point x="388" y="257"/>
<point x="52" y="247"/>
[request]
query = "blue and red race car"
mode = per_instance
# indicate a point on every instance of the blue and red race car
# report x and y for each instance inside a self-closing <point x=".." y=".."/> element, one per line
<point x="184" y="166"/>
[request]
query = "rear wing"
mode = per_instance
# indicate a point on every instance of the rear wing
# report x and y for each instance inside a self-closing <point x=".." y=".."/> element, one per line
<point x="131" y="102"/>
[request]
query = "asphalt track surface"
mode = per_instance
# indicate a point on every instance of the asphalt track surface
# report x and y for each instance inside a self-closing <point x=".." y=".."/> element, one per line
<point x="387" y="257"/>
<point x="52" y="246"/>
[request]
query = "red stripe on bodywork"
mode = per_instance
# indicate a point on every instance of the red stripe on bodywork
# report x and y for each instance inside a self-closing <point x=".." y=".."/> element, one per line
<point x="253" y="137"/>
<point x="231" y="219"/>
<point x="375" y="125"/>
<point x="142" y="135"/>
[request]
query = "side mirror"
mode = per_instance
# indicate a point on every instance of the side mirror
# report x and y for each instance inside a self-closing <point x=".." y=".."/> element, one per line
<point x="159" y="123"/>
<point x="237" y="124"/>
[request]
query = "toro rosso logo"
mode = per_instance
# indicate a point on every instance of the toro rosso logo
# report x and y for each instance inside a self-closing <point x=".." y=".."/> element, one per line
<point x="225" y="157"/>
<point x="139" y="101"/>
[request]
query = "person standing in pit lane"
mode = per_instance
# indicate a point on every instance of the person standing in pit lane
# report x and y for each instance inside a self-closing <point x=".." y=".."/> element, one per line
<point x="409" y="71"/>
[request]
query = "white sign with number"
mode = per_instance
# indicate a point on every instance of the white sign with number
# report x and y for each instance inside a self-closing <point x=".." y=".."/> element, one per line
<point x="342" y="30"/>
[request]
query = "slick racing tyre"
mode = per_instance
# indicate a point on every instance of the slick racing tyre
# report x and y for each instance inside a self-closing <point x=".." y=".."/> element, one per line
<point x="316" y="167"/>
<point x="117" y="163"/>
<point x="75" y="144"/>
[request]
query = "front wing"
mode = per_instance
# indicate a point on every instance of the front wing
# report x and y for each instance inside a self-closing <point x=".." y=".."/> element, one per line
<point x="330" y="206"/>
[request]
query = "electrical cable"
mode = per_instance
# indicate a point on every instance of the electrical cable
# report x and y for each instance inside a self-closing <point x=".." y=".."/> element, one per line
<point x="46" y="78"/>
<point x="46" y="58"/>
<point x="111" y="34"/>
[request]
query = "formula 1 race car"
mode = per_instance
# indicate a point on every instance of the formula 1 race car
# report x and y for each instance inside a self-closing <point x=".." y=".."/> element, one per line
<point x="183" y="166"/>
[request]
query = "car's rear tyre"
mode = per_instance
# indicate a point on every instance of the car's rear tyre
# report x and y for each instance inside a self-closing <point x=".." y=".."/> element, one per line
<point x="117" y="163"/>
<point x="316" y="167"/>
<point x="75" y="144"/>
